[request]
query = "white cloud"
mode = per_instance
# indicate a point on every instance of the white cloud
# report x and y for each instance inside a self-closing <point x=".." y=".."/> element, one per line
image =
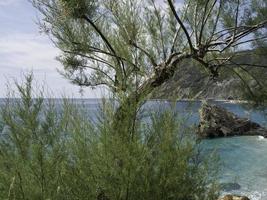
<point x="20" y="53"/>
<point x="9" y="2"/>
<point x="27" y="51"/>
<point x="23" y="49"/>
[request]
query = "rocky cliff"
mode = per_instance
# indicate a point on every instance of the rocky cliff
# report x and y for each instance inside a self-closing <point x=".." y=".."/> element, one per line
<point x="216" y="121"/>
<point x="191" y="81"/>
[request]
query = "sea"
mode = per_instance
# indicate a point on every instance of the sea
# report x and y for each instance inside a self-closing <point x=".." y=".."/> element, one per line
<point x="243" y="168"/>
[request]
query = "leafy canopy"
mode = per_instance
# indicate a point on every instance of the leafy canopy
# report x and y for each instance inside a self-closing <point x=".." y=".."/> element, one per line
<point x="137" y="45"/>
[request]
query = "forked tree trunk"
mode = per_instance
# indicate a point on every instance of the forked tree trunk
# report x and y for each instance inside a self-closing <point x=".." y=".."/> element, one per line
<point x="124" y="119"/>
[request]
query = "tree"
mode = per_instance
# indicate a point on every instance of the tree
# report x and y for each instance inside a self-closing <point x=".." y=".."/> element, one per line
<point x="54" y="150"/>
<point x="134" y="46"/>
<point x="260" y="8"/>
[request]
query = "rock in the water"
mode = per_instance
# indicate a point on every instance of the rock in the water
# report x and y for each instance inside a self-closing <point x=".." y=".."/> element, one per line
<point x="218" y="122"/>
<point x="234" y="197"/>
<point x="230" y="186"/>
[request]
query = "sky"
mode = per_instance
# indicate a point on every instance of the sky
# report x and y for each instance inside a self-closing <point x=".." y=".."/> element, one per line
<point x="24" y="49"/>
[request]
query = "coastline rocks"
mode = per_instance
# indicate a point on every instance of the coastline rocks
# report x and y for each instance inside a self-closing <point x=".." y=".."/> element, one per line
<point x="218" y="122"/>
<point x="227" y="187"/>
<point x="234" y="197"/>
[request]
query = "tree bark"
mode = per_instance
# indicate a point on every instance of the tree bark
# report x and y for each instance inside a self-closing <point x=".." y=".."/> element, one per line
<point x="124" y="119"/>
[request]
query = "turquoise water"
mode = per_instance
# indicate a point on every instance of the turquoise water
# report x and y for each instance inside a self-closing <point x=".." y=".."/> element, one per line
<point x="243" y="159"/>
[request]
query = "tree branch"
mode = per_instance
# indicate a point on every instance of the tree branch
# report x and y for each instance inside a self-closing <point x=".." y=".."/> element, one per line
<point x="181" y="24"/>
<point x="252" y="40"/>
<point x="153" y="62"/>
<point x="90" y="57"/>
<point x="216" y="22"/>
<point x="244" y="82"/>
<point x="178" y="30"/>
<point x="236" y="17"/>
<point x="244" y="69"/>
<point x="105" y="40"/>
<point x="160" y="28"/>
<point x="203" y="22"/>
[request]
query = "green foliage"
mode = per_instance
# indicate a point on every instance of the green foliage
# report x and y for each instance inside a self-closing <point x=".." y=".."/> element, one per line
<point x="50" y="154"/>
<point x="76" y="9"/>
<point x="31" y="147"/>
<point x="260" y="8"/>
<point x="133" y="46"/>
<point x="157" y="163"/>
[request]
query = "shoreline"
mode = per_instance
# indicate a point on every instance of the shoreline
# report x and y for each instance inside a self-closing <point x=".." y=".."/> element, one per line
<point x="203" y="100"/>
<point x="154" y="99"/>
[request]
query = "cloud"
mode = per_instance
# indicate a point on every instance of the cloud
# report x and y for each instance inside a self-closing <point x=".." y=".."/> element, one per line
<point x="9" y="2"/>
<point x="23" y="49"/>
<point x="27" y="51"/>
<point x="21" y="53"/>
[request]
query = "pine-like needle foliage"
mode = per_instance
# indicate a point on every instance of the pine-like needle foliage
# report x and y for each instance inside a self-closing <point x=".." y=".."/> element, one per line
<point x="53" y="151"/>
<point x="135" y="46"/>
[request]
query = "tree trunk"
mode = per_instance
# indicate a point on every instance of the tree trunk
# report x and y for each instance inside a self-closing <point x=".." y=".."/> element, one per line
<point x="125" y="116"/>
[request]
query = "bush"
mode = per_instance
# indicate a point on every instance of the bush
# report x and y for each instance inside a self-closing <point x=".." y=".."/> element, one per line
<point x="52" y="153"/>
<point x="32" y="147"/>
